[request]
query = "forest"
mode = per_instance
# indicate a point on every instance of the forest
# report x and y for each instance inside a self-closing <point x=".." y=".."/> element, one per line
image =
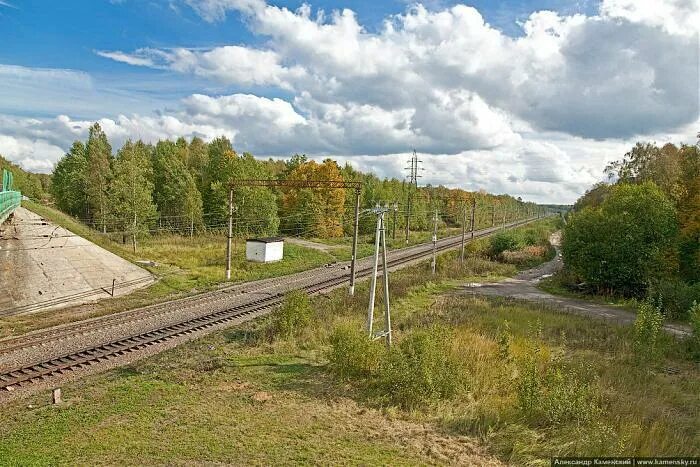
<point x="639" y="236"/>
<point x="182" y="186"/>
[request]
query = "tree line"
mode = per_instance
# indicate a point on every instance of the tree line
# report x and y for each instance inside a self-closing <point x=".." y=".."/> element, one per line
<point x="183" y="186"/>
<point x="30" y="184"/>
<point x="640" y="234"/>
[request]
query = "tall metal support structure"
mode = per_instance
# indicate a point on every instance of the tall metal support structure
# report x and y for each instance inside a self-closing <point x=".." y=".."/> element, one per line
<point x="356" y="186"/>
<point x="393" y="228"/>
<point x="493" y="214"/>
<point x="379" y="241"/>
<point x="435" y="219"/>
<point x="413" y="184"/>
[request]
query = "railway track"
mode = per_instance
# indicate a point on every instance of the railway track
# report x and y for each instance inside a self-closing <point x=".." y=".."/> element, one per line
<point x="210" y="310"/>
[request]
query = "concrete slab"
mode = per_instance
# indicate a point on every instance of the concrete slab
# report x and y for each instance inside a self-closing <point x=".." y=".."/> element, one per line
<point x="44" y="266"/>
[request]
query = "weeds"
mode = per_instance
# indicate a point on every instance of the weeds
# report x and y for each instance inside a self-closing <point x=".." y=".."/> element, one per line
<point x="421" y="369"/>
<point x="352" y="354"/>
<point x="694" y="340"/>
<point x="294" y="314"/>
<point x="647" y="341"/>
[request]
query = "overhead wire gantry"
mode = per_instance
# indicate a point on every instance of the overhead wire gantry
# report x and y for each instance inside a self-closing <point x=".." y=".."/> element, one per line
<point x="356" y="186"/>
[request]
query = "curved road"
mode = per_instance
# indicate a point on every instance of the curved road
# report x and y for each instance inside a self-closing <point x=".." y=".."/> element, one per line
<point x="524" y="287"/>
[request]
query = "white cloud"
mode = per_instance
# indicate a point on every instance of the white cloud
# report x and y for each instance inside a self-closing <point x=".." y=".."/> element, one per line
<point x="537" y="116"/>
<point x="674" y="16"/>
<point x="575" y="74"/>
<point x="228" y="64"/>
<point x="34" y="155"/>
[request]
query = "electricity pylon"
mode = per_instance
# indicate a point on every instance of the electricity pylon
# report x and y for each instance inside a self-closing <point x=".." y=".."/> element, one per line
<point x="379" y="240"/>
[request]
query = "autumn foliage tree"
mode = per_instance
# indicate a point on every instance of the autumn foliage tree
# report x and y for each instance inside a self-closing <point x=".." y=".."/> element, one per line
<point x="318" y="211"/>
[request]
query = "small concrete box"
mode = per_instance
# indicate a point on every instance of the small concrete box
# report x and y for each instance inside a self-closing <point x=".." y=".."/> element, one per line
<point x="264" y="250"/>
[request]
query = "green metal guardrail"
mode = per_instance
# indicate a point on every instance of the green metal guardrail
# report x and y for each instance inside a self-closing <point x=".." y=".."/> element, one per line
<point x="9" y="199"/>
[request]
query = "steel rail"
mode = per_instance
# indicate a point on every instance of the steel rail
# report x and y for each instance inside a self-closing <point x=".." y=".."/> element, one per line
<point x="40" y="370"/>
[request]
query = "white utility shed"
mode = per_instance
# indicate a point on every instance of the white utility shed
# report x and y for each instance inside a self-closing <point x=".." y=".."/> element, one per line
<point x="264" y="250"/>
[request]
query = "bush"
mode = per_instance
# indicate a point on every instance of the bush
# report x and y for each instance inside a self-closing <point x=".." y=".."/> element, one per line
<point x="352" y="354"/>
<point x="420" y="369"/>
<point x="294" y="314"/>
<point x="555" y="395"/>
<point x="527" y="256"/>
<point x="674" y="297"/>
<point x="694" y="340"/>
<point x="648" y="328"/>
<point x="625" y="242"/>
<point x="535" y="235"/>
<point x="503" y="241"/>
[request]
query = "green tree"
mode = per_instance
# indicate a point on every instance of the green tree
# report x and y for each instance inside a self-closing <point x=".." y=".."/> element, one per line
<point x="197" y="162"/>
<point x="130" y="194"/>
<point x="175" y="191"/>
<point x="98" y="154"/>
<point x="68" y="182"/>
<point x="627" y="240"/>
<point x="255" y="208"/>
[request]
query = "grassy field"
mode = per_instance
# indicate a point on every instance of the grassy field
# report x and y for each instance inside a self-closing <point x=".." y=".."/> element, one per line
<point x="529" y="383"/>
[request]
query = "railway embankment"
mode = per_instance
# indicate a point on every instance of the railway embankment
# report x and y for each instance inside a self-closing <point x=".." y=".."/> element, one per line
<point x="44" y="266"/>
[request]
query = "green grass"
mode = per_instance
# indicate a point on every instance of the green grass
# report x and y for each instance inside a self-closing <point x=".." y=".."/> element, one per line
<point x="555" y="286"/>
<point x="235" y="397"/>
<point x="239" y="397"/>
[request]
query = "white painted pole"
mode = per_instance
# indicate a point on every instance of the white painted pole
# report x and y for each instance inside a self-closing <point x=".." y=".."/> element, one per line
<point x="385" y="266"/>
<point x="373" y="284"/>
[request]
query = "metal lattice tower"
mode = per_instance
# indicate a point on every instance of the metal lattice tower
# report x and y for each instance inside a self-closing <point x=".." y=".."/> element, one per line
<point x="412" y="185"/>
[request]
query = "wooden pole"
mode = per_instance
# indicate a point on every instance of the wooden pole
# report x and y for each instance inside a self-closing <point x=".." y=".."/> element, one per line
<point x="356" y="225"/>
<point x="230" y="234"/>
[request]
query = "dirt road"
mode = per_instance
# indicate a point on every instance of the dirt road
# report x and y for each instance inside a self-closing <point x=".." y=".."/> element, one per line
<point x="524" y="287"/>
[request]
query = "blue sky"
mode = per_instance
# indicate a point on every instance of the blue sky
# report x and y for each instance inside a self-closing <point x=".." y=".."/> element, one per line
<point x="66" y="34"/>
<point x="546" y="92"/>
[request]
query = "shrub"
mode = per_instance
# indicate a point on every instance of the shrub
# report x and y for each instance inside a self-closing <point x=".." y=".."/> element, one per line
<point x="529" y="255"/>
<point x="294" y="314"/>
<point x="420" y="369"/>
<point x="555" y="395"/>
<point x="674" y="296"/>
<point x="536" y="235"/>
<point x="648" y="328"/>
<point x="622" y="244"/>
<point x="352" y="354"/>
<point x="694" y="340"/>
<point x="501" y="242"/>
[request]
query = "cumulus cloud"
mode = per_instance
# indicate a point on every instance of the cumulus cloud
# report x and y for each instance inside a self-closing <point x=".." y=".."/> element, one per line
<point x="34" y="155"/>
<point x="228" y="64"/>
<point x="536" y="115"/>
<point x="575" y="74"/>
<point x="674" y="16"/>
